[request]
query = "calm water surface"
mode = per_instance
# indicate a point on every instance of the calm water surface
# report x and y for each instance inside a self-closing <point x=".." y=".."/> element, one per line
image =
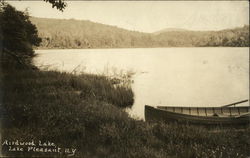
<point x="164" y="76"/>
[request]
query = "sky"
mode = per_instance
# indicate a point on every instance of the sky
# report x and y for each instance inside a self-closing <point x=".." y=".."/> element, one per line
<point x="148" y="16"/>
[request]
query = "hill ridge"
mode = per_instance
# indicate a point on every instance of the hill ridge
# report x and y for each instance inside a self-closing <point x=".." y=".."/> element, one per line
<point x="72" y="33"/>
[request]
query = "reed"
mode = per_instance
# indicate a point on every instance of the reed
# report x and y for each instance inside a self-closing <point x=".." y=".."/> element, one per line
<point x="86" y="112"/>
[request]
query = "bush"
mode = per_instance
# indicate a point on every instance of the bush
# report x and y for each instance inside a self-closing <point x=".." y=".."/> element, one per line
<point x="18" y="37"/>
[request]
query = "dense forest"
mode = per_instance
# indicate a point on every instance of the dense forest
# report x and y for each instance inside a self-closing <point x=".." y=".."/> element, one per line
<point x="61" y="33"/>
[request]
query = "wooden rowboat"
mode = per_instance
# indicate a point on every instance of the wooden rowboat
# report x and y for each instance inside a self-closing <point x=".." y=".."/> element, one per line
<point x="224" y="115"/>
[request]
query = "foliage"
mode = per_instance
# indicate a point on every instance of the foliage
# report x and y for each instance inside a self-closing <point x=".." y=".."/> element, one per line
<point x="18" y="37"/>
<point x="59" y="4"/>
<point x="72" y="33"/>
<point x="47" y="106"/>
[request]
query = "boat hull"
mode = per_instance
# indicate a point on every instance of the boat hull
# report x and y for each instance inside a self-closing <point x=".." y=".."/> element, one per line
<point x="156" y="114"/>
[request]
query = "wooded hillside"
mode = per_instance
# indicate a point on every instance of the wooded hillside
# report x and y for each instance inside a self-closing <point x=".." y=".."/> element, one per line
<point x="58" y="33"/>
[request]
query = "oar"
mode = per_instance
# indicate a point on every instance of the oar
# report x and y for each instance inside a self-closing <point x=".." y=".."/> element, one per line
<point x="243" y="101"/>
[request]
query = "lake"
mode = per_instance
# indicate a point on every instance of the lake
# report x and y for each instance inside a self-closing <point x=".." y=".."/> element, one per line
<point x="164" y="76"/>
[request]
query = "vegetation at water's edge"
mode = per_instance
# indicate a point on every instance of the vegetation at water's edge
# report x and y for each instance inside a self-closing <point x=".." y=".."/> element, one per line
<point x="84" y="112"/>
<point x="17" y="38"/>
<point x="56" y="33"/>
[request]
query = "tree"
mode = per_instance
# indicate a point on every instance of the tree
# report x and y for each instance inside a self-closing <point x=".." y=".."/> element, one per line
<point x="18" y="36"/>
<point x="59" y="4"/>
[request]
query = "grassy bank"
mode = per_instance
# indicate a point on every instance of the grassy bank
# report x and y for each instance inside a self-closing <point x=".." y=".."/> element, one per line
<point x="86" y="112"/>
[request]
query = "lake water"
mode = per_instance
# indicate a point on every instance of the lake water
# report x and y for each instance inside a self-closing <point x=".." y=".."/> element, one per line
<point x="164" y="76"/>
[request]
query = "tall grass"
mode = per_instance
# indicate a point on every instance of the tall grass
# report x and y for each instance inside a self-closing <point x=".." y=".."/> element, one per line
<point x="86" y="112"/>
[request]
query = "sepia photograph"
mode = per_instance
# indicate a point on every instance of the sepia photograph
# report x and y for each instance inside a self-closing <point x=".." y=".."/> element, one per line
<point x="124" y="79"/>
